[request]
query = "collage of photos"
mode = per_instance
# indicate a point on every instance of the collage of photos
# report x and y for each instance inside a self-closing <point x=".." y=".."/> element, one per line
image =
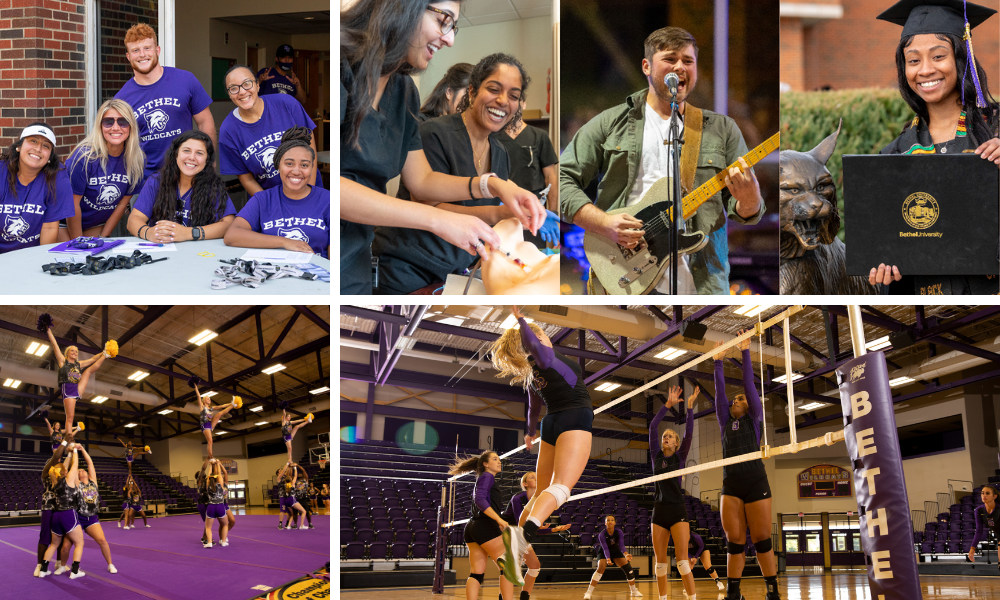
<point x="784" y="154"/>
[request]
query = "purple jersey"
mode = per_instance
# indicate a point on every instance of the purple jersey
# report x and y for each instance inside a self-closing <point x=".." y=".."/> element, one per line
<point x="249" y="147"/>
<point x="147" y="198"/>
<point x="101" y="189"/>
<point x="163" y="111"/>
<point x="308" y="220"/>
<point x="23" y="214"/>
<point x="277" y="84"/>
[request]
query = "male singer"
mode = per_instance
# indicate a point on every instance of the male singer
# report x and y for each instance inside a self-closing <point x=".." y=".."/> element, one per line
<point x="628" y="146"/>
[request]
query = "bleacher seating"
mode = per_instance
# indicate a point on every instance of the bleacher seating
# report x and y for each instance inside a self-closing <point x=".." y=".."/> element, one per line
<point x="951" y="532"/>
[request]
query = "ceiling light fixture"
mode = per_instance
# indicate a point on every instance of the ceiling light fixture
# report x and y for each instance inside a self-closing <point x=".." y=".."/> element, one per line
<point x="138" y="376"/>
<point x="203" y="337"/>
<point x="320" y="390"/>
<point x="165" y="411"/>
<point x="900" y="381"/>
<point x="273" y="369"/>
<point x="98" y="399"/>
<point x="257" y="409"/>
<point x="12" y="383"/>
<point x="671" y="353"/>
<point x="784" y="378"/>
<point x="882" y="342"/>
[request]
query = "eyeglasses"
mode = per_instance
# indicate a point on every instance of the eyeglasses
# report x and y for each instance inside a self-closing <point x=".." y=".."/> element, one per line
<point x="246" y="85"/>
<point x="109" y="122"/>
<point x="448" y="24"/>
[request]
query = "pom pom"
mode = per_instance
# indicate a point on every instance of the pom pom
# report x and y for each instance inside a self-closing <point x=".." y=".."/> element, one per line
<point x="193" y="381"/>
<point x="81" y="425"/>
<point x="148" y="451"/>
<point x="111" y="348"/>
<point x="45" y="414"/>
<point x="237" y="402"/>
<point x="116" y="436"/>
<point x="310" y="417"/>
<point x="283" y="405"/>
<point x="44" y="322"/>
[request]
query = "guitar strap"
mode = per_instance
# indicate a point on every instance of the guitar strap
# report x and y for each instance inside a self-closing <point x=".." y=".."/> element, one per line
<point x="692" y="147"/>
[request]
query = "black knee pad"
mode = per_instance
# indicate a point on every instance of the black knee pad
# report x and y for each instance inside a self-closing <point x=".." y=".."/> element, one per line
<point x="477" y="576"/>
<point x="629" y="574"/>
<point x="763" y="546"/>
<point x="734" y="548"/>
<point x="711" y="570"/>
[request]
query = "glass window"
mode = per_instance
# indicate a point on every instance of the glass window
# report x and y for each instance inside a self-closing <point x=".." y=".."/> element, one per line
<point x="813" y="543"/>
<point x="792" y="543"/>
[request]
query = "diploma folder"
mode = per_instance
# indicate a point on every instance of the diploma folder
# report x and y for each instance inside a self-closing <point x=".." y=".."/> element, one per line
<point x="933" y="214"/>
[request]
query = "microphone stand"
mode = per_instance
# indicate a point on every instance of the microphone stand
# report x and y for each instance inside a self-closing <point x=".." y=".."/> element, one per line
<point x="675" y="168"/>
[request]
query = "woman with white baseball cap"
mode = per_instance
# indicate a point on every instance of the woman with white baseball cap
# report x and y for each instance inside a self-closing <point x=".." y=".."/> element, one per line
<point x="35" y="191"/>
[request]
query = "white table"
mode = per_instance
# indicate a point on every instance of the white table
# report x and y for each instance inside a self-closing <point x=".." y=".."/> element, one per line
<point x="189" y="270"/>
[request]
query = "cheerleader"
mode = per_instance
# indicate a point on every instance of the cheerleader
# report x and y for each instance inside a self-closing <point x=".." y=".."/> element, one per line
<point x="210" y="414"/>
<point x="73" y="373"/>
<point x="746" y="494"/>
<point x="132" y="504"/>
<point x="325" y="497"/>
<point x="48" y="505"/>
<point x="483" y="531"/>
<point x="669" y="512"/>
<point x="313" y="496"/>
<point x="86" y="512"/>
<point x="216" y="509"/>
<point x="513" y="512"/>
<point x="289" y="505"/>
<point x="202" y="501"/>
<point x="557" y="382"/>
<point x="64" y="484"/>
<point x="697" y="551"/>
<point x="131" y="453"/>
<point x="301" y="494"/>
<point x="55" y="431"/>
<point x="987" y="519"/>
<point x="289" y="428"/>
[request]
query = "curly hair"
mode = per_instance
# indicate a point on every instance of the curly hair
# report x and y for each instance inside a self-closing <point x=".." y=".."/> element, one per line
<point x="981" y="123"/>
<point x="481" y="72"/>
<point x="139" y="32"/>
<point x="208" y="192"/>
<point x="509" y="357"/>
<point x="12" y="158"/>
<point x="296" y="137"/>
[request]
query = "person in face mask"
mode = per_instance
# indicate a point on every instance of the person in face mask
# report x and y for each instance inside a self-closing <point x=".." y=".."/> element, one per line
<point x="280" y="79"/>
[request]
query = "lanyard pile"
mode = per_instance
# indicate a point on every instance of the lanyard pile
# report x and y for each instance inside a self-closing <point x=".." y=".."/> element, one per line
<point x="253" y="274"/>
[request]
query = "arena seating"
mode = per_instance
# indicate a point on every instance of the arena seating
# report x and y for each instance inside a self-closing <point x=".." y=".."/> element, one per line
<point x="950" y="532"/>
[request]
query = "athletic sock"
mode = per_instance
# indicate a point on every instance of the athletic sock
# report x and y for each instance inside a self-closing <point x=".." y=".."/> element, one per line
<point x="45" y="566"/>
<point x="772" y="587"/>
<point x="76" y="567"/>
<point x="591" y="589"/>
<point x="530" y="528"/>
<point x="733" y="588"/>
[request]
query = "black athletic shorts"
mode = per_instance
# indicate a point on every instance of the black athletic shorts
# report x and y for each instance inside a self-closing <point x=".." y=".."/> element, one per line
<point x="481" y="531"/>
<point x="667" y="514"/>
<point x="615" y="553"/>
<point x="554" y="424"/>
<point x="747" y="488"/>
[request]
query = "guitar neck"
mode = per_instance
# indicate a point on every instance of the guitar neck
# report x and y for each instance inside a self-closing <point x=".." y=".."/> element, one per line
<point x="703" y="192"/>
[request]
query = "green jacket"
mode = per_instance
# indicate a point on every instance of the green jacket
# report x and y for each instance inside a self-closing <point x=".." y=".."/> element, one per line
<point x="611" y="145"/>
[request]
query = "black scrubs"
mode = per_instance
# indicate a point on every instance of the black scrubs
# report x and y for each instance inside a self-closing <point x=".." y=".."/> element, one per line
<point x="387" y="136"/>
<point x="410" y="259"/>
<point x="530" y="152"/>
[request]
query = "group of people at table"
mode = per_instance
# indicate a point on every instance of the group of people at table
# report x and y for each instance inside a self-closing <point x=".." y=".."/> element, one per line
<point x="143" y="145"/>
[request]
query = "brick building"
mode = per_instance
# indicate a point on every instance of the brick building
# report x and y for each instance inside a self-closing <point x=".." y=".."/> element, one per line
<point x="839" y="44"/>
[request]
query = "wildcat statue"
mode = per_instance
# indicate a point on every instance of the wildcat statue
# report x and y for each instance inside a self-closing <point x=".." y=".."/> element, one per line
<point x="813" y="259"/>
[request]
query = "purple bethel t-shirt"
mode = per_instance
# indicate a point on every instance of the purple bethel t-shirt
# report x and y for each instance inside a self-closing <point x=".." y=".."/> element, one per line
<point x="271" y="212"/>
<point x="163" y="111"/>
<point x="277" y="84"/>
<point x="249" y="147"/>
<point x="147" y="198"/>
<point x="101" y="189"/>
<point x="22" y="215"/>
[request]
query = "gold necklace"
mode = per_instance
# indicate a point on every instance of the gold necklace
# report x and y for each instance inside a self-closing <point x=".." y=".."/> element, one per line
<point x="486" y="146"/>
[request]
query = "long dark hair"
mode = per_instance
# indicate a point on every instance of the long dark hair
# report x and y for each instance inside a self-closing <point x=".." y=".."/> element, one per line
<point x="208" y="192"/>
<point x="981" y="123"/>
<point x="487" y="67"/>
<point x="12" y="158"/>
<point x="374" y="41"/>
<point x="455" y="79"/>
<point x="471" y="463"/>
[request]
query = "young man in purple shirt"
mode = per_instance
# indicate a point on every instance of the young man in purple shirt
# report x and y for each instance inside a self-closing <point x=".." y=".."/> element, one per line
<point x="163" y="99"/>
<point x="280" y="79"/>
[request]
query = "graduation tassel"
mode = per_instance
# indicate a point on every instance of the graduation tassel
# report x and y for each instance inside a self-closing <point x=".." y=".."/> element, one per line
<point x="980" y="100"/>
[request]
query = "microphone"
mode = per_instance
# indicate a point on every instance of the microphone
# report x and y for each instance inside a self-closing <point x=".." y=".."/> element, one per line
<point x="672" y="81"/>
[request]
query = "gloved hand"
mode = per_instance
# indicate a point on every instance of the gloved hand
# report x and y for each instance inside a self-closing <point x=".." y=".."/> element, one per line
<point x="549" y="232"/>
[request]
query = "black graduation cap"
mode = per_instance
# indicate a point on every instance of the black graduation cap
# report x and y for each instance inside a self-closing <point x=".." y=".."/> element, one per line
<point x="935" y="16"/>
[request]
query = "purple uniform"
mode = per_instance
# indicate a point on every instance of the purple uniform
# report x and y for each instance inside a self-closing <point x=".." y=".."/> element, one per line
<point x="163" y="111"/>
<point x="512" y="514"/>
<point x="249" y="147"/>
<point x="64" y="519"/>
<point x="986" y="522"/>
<point x="100" y="189"/>
<point x="669" y="490"/>
<point x="739" y="436"/>
<point x="696" y="546"/>
<point x="90" y="504"/>
<point x="216" y="508"/>
<point x="286" y="432"/>
<point x="57" y="438"/>
<point x="147" y="198"/>
<point x="612" y="545"/>
<point x="23" y="214"/>
<point x="556" y="382"/>
<point x="277" y="84"/>
<point x="202" y="500"/>
<point x="308" y="220"/>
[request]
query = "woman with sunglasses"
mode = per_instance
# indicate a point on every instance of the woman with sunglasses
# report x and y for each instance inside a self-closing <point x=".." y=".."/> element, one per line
<point x="382" y="41"/>
<point x="251" y="133"/>
<point x="105" y="169"/>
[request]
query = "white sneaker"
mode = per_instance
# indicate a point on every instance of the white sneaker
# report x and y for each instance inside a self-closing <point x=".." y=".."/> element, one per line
<point x="586" y="596"/>
<point x="722" y="586"/>
<point x="60" y="570"/>
<point x="38" y="569"/>
<point x="126" y="527"/>
<point x="224" y="544"/>
<point x="148" y="526"/>
<point x="44" y="573"/>
<point x="636" y="593"/>
<point x="207" y="545"/>
<point x="119" y="524"/>
<point x="112" y="569"/>
<point x="77" y="575"/>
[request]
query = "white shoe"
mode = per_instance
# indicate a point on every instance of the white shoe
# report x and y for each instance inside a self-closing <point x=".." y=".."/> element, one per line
<point x="224" y="544"/>
<point x="587" y="595"/>
<point x="112" y="569"/>
<point x="77" y="575"/>
<point x="148" y="526"/>
<point x="636" y="593"/>
<point x="119" y="524"/>
<point x="126" y="527"/>
<point x="207" y="545"/>
<point x="38" y="569"/>
<point x="44" y="573"/>
<point x="722" y="586"/>
<point x="60" y="570"/>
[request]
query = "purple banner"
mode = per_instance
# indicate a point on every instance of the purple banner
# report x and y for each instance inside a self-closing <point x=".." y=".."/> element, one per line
<point x="873" y="447"/>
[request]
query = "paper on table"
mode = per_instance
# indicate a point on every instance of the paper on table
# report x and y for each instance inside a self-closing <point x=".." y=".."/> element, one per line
<point x="131" y="246"/>
<point x="269" y="255"/>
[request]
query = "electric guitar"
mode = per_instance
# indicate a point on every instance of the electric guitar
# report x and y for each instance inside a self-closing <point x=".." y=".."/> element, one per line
<point x="632" y="271"/>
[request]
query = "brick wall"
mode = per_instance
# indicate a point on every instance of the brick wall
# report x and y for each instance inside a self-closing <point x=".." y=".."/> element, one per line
<point x="116" y="18"/>
<point x="42" y="69"/>
<point x="791" y="54"/>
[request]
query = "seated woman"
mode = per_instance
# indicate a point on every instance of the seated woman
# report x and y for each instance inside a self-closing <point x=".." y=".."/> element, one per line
<point x="503" y="275"/>
<point x="464" y="144"/>
<point x="105" y="169"/>
<point x="249" y="134"/>
<point x="35" y="192"/>
<point x="294" y="215"/>
<point x="187" y="199"/>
